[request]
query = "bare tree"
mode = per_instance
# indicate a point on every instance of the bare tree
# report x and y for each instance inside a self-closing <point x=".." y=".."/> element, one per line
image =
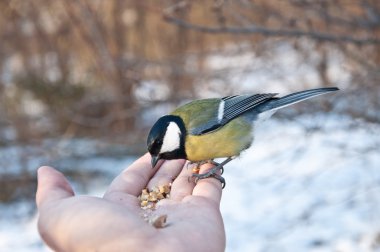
<point x="81" y="63"/>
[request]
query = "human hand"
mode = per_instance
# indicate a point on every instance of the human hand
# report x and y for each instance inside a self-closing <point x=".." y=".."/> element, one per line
<point x="114" y="223"/>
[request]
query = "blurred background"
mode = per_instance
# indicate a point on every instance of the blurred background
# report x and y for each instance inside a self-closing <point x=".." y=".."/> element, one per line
<point x="81" y="82"/>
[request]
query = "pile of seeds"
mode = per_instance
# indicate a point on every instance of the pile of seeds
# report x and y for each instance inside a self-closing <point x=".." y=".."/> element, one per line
<point x="148" y="201"/>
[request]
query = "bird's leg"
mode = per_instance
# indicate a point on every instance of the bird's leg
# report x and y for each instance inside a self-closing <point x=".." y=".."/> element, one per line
<point x="213" y="172"/>
<point x="211" y="161"/>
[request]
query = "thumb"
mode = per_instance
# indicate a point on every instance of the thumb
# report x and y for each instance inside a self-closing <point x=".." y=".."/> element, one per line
<point x="52" y="185"/>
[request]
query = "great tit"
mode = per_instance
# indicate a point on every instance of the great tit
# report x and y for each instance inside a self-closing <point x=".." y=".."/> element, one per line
<point x="203" y="130"/>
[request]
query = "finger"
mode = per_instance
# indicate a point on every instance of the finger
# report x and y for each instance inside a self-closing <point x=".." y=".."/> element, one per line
<point x="168" y="171"/>
<point x="182" y="185"/>
<point x="135" y="178"/>
<point x="52" y="185"/>
<point x="209" y="188"/>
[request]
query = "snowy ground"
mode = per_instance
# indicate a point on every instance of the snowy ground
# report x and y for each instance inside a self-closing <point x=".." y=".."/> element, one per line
<point x="306" y="190"/>
<point x="312" y="184"/>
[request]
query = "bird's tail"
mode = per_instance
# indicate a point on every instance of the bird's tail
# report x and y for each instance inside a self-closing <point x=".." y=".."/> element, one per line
<point x="290" y="99"/>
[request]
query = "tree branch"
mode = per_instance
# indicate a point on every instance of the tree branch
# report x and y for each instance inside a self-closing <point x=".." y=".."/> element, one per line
<point x="320" y="36"/>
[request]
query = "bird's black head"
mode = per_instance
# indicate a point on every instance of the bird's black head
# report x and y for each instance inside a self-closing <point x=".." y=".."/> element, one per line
<point x="166" y="139"/>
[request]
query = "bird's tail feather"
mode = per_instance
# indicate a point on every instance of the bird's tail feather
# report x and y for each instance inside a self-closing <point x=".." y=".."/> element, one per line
<point x="290" y="99"/>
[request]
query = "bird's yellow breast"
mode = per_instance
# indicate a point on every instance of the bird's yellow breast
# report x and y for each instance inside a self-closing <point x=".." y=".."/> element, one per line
<point x="227" y="141"/>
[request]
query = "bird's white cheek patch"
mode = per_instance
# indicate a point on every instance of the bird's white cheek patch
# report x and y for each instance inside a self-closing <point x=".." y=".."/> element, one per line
<point x="171" y="140"/>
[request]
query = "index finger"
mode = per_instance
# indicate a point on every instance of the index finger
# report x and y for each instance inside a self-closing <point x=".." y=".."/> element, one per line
<point x="135" y="178"/>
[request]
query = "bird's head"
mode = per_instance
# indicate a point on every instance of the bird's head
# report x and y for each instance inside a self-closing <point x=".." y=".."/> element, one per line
<point x="166" y="139"/>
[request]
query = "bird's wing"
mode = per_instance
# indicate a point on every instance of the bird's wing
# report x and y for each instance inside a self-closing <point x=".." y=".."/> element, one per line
<point x="199" y="113"/>
<point x="228" y="108"/>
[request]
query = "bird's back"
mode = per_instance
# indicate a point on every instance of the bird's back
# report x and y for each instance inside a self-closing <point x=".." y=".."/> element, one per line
<point x="228" y="140"/>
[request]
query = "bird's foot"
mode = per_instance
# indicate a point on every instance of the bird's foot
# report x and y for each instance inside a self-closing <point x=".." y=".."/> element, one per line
<point x="214" y="172"/>
<point x="211" y="173"/>
<point x="211" y="161"/>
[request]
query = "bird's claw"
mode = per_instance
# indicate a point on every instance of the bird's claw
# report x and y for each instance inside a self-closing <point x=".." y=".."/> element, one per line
<point x="211" y="173"/>
<point x="221" y="168"/>
<point x="214" y="172"/>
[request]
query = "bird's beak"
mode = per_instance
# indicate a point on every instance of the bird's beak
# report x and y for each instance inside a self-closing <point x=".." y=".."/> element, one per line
<point x="154" y="161"/>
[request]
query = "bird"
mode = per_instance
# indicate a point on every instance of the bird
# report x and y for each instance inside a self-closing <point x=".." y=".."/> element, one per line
<point x="203" y="130"/>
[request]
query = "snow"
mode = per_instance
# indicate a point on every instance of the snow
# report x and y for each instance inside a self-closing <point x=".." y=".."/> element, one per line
<point x="305" y="191"/>
<point x="18" y="228"/>
<point x="295" y="189"/>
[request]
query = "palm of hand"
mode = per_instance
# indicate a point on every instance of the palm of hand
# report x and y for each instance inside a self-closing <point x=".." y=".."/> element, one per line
<point x="115" y="223"/>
